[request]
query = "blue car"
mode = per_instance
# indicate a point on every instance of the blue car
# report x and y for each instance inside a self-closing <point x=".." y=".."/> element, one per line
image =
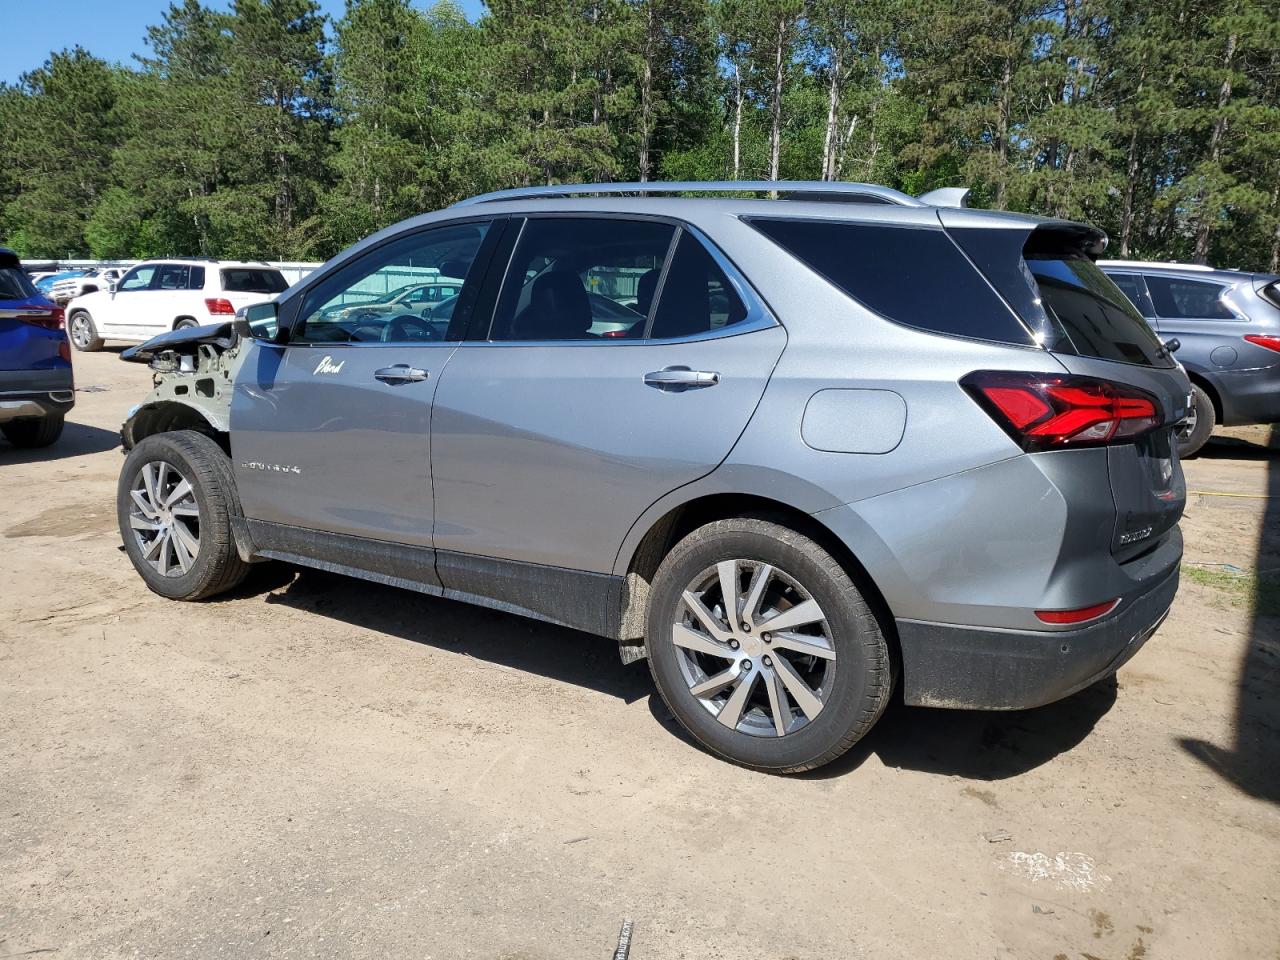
<point x="36" y="385"/>
<point x="45" y="284"/>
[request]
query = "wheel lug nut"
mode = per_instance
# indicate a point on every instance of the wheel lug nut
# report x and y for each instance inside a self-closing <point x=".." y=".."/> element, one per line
<point x="767" y="638"/>
<point x="768" y="662"/>
<point x="746" y="627"/>
<point x="746" y="665"/>
<point x="733" y="644"/>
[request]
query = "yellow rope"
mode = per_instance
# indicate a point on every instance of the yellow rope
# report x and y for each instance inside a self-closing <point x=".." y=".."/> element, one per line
<point x="1244" y="496"/>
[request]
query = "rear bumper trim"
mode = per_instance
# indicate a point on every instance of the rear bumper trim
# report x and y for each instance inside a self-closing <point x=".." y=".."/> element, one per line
<point x="976" y="668"/>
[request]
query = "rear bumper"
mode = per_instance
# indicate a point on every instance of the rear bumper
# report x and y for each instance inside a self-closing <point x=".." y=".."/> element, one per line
<point x="945" y="665"/>
<point x="26" y="394"/>
<point x="1248" y="396"/>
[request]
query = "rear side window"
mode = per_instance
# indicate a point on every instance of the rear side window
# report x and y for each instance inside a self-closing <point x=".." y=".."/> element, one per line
<point x="15" y="284"/>
<point x="696" y="295"/>
<point x="173" y="276"/>
<point x="197" y="279"/>
<point x="1178" y="299"/>
<point x="912" y="275"/>
<point x="253" y="280"/>
<point x="1090" y="314"/>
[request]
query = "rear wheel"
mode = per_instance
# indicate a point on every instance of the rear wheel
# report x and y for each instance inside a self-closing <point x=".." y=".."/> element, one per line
<point x="763" y="648"/>
<point x="34" y="433"/>
<point x="185" y="323"/>
<point x="84" y="334"/>
<point x="1193" y="431"/>
<point x="174" y="502"/>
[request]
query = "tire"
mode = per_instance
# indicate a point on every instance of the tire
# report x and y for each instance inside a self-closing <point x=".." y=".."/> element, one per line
<point x="212" y="501"/>
<point x="83" y="332"/>
<point x="853" y="675"/>
<point x="28" y="434"/>
<point x="1193" y="433"/>
<point x="184" y="323"/>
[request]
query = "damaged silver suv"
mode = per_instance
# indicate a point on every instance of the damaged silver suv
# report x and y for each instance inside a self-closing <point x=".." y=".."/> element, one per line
<point x="793" y="451"/>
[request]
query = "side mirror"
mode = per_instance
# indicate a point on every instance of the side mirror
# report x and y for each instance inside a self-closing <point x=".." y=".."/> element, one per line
<point x="260" y="321"/>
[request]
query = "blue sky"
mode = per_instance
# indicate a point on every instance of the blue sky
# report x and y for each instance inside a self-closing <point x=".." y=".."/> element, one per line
<point x="111" y="29"/>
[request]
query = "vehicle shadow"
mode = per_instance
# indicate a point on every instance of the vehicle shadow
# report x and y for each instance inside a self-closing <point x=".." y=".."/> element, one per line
<point x="1237" y="448"/>
<point x="1252" y="761"/>
<point x="78" y="439"/>
<point x="545" y="650"/>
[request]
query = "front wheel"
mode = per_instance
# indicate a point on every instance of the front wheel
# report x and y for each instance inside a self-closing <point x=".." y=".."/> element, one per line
<point x="1193" y="431"/>
<point x="84" y="334"/>
<point x="763" y="648"/>
<point x="174" y="502"/>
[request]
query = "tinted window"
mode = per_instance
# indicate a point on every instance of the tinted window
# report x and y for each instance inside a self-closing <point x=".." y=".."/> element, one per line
<point x="197" y="279"/>
<point x="173" y="276"/>
<point x="1131" y="286"/>
<point x="139" y="278"/>
<point x="915" y="276"/>
<point x="581" y="279"/>
<point x="1092" y="316"/>
<point x="1176" y="298"/>
<point x="253" y="280"/>
<point x="352" y="306"/>
<point x="696" y="296"/>
<point x="15" y="285"/>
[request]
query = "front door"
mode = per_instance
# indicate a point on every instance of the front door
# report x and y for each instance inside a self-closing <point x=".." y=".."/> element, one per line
<point x="621" y="363"/>
<point x="332" y="431"/>
<point x="119" y="312"/>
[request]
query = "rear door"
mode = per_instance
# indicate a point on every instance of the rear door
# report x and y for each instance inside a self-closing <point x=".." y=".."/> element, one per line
<point x="332" y="431"/>
<point x="1196" y="313"/>
<point x="549" y="441"/>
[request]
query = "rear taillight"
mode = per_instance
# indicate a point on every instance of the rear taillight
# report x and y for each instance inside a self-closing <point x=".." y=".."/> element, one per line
<point x="1079" y="615"/>
<point x="1047" y="411"/>
<point x="219" y="307"/>
<point x="51" y="318"/>
<point x="1262" y="340"/>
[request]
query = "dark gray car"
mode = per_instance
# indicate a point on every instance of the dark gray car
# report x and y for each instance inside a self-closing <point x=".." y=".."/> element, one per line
<point x="855" y="440"/>
<point x="1228" y="325"/>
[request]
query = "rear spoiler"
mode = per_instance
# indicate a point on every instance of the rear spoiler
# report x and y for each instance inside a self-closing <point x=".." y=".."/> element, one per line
<point x="946" y="197"/>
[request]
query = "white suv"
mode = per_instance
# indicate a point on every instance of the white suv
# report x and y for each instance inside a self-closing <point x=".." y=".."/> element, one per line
<point x="159" y="295"/>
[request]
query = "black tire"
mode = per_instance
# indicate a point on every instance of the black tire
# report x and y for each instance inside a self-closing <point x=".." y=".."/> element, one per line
<point x="83" y="331"/>
<point x="217" y="566"/>
<point x="185" y="323"/>
<point x="1190" y="441"/>
<point x="862" y="670"/>
<point x="29" y="434"/>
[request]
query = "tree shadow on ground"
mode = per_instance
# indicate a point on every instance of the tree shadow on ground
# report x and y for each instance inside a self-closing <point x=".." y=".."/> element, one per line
<point x="1252" y="762"/>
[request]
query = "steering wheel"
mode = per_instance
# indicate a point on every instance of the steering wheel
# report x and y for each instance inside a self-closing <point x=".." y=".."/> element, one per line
<point x="407" y="327"/>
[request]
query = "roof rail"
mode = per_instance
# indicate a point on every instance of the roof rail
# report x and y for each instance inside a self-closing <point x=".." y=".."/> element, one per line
<point x="1160" y="264"/>
<point x="790" y="189"/>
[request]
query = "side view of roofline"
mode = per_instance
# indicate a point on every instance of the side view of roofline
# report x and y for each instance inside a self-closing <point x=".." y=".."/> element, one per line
<point x="791" y="189"/>
<point x="1160" y="264"/>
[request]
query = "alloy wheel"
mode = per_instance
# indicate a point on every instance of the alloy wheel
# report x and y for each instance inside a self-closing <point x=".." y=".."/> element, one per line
<point x="1186" y="427"/>
<point x="755" y="648"/>
<point x="80" y="332"/>
<point x="165" y="518"/>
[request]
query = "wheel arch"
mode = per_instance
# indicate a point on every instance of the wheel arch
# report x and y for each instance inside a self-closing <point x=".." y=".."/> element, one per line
<point x="166" y="416"/>
<point x="683" y="519"/>
<point x="184" y="316"/>
<point x="1203" y="382"/>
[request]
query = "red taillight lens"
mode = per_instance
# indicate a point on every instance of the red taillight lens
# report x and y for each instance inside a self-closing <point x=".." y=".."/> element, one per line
<point x="1079" y="615"/>
<point x="1262" y="340"/>
<point x="51" y="318"/>
<point x="1045" y="411"/>
<point x="219" y="307"/>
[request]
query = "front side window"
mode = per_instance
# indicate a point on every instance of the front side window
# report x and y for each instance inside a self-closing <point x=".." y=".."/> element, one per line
<point x="139" y="278"/>
<point x="363" y="302"/>
<point x="1178" y="299"/>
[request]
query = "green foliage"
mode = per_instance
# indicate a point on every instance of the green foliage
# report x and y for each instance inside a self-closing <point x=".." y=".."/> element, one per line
<point x="264" y="130"/>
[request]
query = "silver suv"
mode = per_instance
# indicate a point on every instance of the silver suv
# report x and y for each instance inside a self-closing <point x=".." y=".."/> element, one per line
<point x="852" y="439"/>
<point x="1228" y="325"/>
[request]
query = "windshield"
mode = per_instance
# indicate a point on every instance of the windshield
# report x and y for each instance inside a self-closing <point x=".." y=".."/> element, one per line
<point x="1089" y="315"/>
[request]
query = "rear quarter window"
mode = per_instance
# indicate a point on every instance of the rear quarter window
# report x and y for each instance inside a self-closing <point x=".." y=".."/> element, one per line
<point x="915" y="276"/>
<point x="15" y="284"/>
<point x="249" y="280"/>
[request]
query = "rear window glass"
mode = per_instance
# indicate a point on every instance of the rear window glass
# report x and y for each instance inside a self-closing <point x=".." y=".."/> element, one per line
<point x="15" y="284"/>
<point x="238" y="280"/>
<point x="1179" y="299"/>
<point x="1092" y="318"/>
<point x="915" y="276"/>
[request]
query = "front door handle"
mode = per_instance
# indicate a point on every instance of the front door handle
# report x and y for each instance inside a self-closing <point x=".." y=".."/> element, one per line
<point x="677" y="379"/>
<point x="400" y="373"/>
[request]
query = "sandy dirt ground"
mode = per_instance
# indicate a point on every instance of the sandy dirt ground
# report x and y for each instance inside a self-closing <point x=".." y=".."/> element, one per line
<point x="319" y="767"/>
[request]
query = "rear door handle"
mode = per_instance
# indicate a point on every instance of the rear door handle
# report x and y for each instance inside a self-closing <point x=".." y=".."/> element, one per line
<point x="400" y="373"/>
<point x="677" y="379"/>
